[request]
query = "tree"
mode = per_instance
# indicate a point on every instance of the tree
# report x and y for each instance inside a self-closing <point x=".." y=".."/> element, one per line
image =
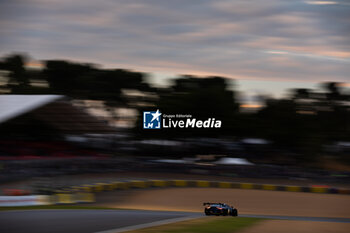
<point x="15" y="65"/>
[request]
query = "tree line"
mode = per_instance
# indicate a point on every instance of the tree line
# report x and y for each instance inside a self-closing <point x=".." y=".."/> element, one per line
<point x="304" y="122"/>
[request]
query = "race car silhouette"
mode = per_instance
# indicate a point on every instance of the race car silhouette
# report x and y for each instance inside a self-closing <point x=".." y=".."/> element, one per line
<point x="219" y="209"/>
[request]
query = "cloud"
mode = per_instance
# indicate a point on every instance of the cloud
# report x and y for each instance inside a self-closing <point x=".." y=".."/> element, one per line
<point x="277" y="40"/>
<point x="320" y="2"/>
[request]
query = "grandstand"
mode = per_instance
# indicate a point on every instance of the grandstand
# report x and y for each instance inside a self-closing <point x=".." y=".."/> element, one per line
<point x="37" y="126"/>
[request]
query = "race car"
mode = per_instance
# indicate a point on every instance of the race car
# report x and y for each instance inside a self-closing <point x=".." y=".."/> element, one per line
<point x="219" y="209"/>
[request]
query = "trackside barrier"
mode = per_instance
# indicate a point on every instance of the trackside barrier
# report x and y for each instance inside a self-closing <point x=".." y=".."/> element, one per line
<point x="64" y="198"/>
<point x="141" y="184"/>
<point x="319" y="190"/>
<point x="138" y="184"/>
<point x="203" y="183"/>
<point x="99" y="187"/>
<point x="86" y="193"/>
<point x="224" y="185"/>
<point x="85" y="197"/>
<point x="246" y="186"/>
<point x="61" y="197"/>
<point x="72" y="198"/>
<point x="159" y="183"/>
<point x="269" y="187"/>
<point x="180" y="183"/>
<point x="293" y="188"/>
<point x="29" y="200"/>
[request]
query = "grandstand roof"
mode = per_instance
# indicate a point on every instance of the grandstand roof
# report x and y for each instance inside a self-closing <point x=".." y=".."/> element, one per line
<point x="12" y="106"/>
<point x="53" y="110"/>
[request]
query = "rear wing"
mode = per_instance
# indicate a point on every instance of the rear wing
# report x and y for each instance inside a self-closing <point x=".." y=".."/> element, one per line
<point x="212" y="203"/>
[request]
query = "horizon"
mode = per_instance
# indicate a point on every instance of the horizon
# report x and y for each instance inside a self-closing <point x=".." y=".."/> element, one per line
<point x="247" y="91"/>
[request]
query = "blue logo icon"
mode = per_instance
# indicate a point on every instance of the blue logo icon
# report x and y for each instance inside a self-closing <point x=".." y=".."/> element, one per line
<point x="152" y="120"/>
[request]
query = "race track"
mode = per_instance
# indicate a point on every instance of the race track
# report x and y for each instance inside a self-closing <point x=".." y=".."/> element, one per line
<point x="108" y="221"/>
<point x="153" y="206"/>
<point x="82" y="221"/>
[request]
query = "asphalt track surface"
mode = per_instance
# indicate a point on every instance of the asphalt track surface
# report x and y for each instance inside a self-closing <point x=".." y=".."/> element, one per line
<point x="80" y="221"/>
<point x="86" y="221"/>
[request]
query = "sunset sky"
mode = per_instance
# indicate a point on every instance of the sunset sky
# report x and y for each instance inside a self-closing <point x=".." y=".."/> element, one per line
<point x="285" y="43"/>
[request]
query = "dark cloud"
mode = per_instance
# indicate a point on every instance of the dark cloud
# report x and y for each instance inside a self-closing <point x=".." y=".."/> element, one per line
<point x="277" y="40"/>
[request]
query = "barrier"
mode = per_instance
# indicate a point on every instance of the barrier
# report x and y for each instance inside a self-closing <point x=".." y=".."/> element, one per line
<point x="246" y="186"/>
<point x="85" y="198"/>
<point x="123" y="185"/>
<point x="203" y="183"/>
<point x="269" y="187"/>
<point x="142" y="184"/>
<point x="224" y="185"/>
<point x="319" y="190"/>
<point x="138" y="184"/>
<point x="85" y="193"/>
<point x="180" y="183"/>
<point x="72" y="198"/>
<point x="30" y="200"/>
<point x="114" y="185"/>
<point x="293" y="188"/>
<point x="109" y="187"/>
<point x="88" y="188"/>
<point x="58" y="198"/>
<point x="64" y="198"/>
<point x="99" y="187"/>
<point x="159" y="183"/>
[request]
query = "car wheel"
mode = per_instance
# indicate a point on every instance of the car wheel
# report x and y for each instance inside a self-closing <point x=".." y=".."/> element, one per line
<point x="235" y="212"/>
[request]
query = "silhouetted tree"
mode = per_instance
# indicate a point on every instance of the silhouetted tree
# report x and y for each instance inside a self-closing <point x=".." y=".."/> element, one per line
<point x="15" y="65"/>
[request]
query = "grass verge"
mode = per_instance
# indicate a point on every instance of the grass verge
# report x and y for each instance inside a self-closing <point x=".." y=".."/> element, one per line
<point x="55" y="207"/>
<point x="203" y="225"/>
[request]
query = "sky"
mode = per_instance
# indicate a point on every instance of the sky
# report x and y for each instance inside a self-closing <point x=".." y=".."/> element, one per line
<point x="267" y="45"/>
